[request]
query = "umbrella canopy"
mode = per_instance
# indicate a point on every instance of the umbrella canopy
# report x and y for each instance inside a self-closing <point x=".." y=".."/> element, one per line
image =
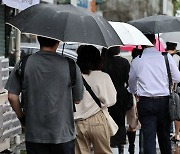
<point x="129" y="47"/>
<point x="157" y="45"/>
<point x="66" y="23"/>
<point x="157" y="24"/>
<point x="172" y="37"/>
<point x="129" y="34"/>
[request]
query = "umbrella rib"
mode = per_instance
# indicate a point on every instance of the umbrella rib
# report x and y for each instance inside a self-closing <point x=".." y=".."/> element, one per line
<point x="99" y="27"/>
<point x="109" y="31"/>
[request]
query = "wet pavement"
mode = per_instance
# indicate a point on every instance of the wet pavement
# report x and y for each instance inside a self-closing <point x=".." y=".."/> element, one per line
<point x="20" y="149"/>
<point x="175" y="147"/>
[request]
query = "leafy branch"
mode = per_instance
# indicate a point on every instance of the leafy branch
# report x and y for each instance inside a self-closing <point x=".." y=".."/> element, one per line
<point x="176" y="4"/>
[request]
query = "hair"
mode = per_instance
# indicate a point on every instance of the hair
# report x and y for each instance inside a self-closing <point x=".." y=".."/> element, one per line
<point x="151" y="38"/>
<point x="110" y="52"/>
<point x="171" y="46"/>
<point x="88" y="59"/>
<point x="79" y="49"/>
<point x="46" y="42"/>
<point x="104" y="52"/>
<point x="136" y="52"/>
<point x="114" y="51"/>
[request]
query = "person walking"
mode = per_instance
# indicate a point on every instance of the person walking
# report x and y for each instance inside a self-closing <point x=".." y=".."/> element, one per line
<point x="131" y="114"/>
<point x="148" y="80"/>
<point x="91" y="124"/>
<point x="47" y="113"/>
<point x="171" y="49"/>
<point x="118" y="69"/>
<point x="132" y="121"/>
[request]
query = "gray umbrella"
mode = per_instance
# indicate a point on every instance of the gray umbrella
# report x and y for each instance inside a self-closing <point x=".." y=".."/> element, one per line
<point x="66" y="23"/>
<point x="157" y="24"/>
<point x="172" y="37"/>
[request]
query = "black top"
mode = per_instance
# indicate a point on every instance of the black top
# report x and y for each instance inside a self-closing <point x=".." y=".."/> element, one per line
<point x="118" y="68"/>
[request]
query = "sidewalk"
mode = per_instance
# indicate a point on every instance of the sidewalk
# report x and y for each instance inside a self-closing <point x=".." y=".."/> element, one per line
<point x="175" y="147"/>
<point x="20" y="149"/>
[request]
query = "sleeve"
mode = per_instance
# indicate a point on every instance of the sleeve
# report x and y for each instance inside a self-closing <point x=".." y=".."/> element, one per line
<point x="13" y="84"/>
<point x="79" y="88"/>
<point x="176" y="59"/>
<point x="132" y="82"/>
<point x="107" y="92"/>
<point x="175" y="73"/>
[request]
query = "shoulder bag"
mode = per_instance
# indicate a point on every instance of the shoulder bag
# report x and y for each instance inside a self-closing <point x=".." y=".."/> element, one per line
<point x="112" y="125"/>
<point x="174" y="100"/>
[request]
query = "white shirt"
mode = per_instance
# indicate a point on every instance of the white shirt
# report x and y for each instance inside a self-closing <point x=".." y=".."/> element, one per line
<point x="176" y="59"/>
<point x="148" y="74"/>
<point x="102" y="85"/>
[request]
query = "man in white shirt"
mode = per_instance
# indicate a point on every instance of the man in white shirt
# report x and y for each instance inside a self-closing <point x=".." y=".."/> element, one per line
<point x="148" y="80"/>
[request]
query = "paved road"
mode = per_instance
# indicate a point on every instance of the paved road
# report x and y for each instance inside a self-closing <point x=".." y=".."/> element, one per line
<point x="176" y="148"/>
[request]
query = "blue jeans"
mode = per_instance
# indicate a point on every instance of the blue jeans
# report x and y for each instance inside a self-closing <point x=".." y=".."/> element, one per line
<point x="47" y="148"/>
<point x="154" y="118"/>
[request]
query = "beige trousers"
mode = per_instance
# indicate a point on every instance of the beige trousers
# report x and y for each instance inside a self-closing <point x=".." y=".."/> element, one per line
<point x="132" y="118"/>
<point x="93" y="131"/>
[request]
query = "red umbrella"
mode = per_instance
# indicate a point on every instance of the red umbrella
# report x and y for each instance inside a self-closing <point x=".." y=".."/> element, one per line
<point x="129" y="47"/>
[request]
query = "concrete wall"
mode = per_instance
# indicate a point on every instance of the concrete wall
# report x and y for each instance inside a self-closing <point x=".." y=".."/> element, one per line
<point x="126" y="10"/>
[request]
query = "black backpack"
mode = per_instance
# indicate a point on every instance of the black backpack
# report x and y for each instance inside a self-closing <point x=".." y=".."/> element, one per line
<point x="20" y="74"/>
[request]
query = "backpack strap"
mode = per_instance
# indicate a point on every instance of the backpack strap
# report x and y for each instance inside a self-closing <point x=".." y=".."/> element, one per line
<point x="72" y="69"/>
<point x="20" y="69"/>
<point x="22" y="64"/>
<point x="20" y="75"/>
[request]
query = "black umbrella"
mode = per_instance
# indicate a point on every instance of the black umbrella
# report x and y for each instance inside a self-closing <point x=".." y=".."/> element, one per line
<point x="66" y="23"/>
<point x="157" y="24"/>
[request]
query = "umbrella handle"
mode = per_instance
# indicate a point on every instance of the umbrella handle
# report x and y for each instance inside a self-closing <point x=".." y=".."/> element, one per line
<point x="159" y="42"/>
<point x="63" y="49"/>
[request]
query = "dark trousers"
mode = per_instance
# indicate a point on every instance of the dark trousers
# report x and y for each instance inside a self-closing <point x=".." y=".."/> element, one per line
<point x="44" y="148"/>
<point x="154" y="118"/>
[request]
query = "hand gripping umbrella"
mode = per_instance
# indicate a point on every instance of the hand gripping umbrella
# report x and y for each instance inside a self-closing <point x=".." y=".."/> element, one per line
<point x="66" y="23"/>
<point x="157" y="24"/>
